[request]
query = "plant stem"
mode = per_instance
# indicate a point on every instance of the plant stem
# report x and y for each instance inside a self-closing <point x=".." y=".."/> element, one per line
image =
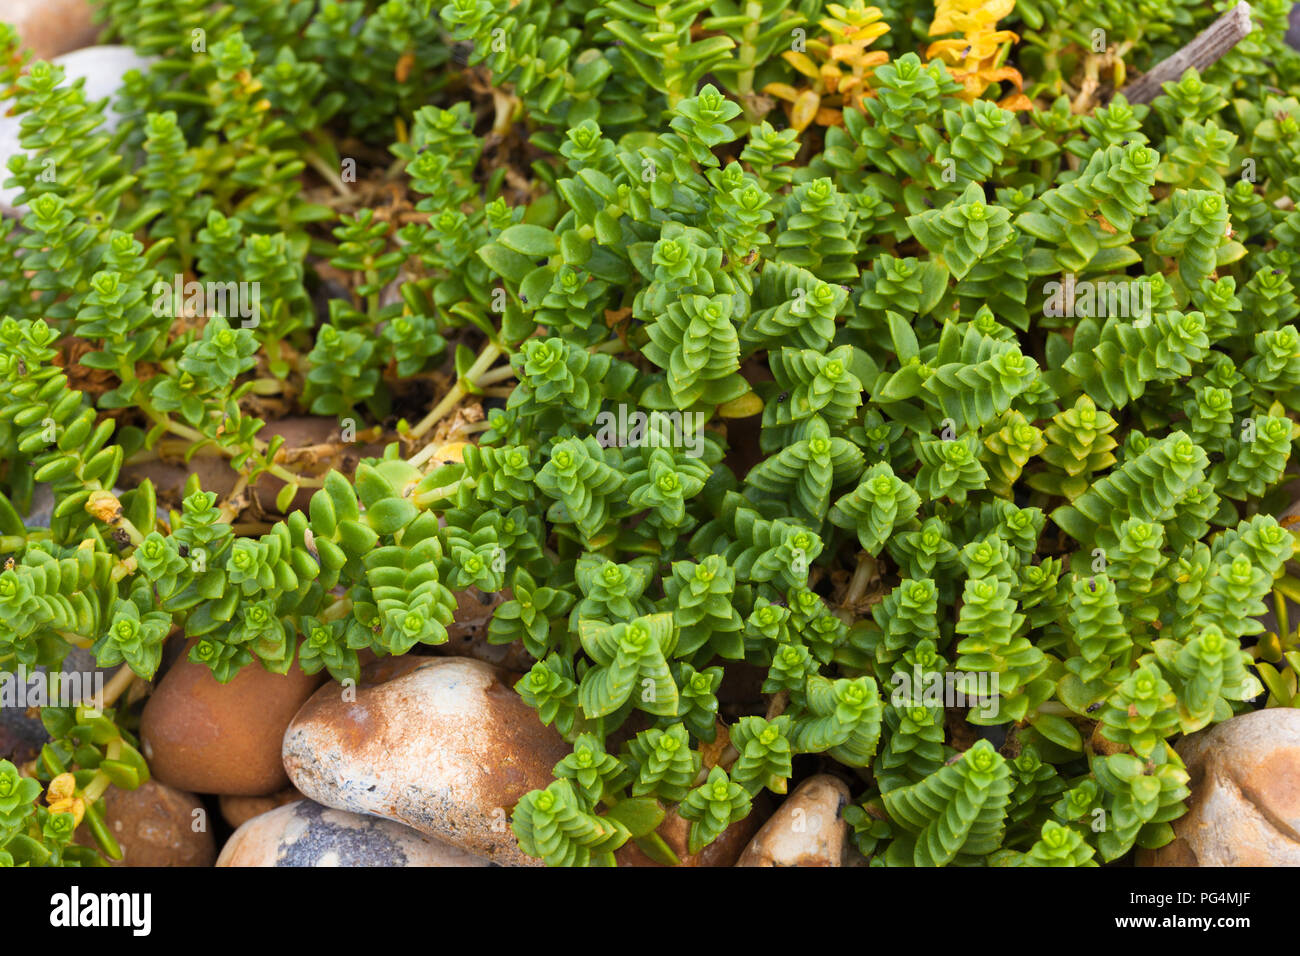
<point x="228" y="508"/>
<point x="1204" y="50"/>
<point x="267" y="386"/>
<point x="861" y="577"/>
<point x="1280" y="609"/>
<point x="117" y="684"/>
<point x="747" y="55"/>
<point x="290" y="478"/>
<point x="496" y="375"/>
<point x="316" y="162"/>
<point x="95" y="789"/>
<point x="123" y="569"/>
<point x="491" y="352"/>
<point x="427" y="498"/>
<point x="194" y="435"/>
<point x="259" y="446"/>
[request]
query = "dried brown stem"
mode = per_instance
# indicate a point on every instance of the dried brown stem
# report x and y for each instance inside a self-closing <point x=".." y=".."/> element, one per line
<point x="1210" y="44"/>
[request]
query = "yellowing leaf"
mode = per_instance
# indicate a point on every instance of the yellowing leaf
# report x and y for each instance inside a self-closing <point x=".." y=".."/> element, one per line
<point x="804" y="110"/>
<point x="1016" y="102"/>
<point x="782" y="91"/>
<point x="803" y="63"/>
<point x="746" y="406"/>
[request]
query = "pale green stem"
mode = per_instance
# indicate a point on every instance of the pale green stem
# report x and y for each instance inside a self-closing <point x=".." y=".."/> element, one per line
<point x="491" y="352"/>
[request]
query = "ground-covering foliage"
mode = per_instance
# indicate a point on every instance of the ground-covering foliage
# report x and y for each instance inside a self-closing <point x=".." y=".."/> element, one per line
<point x="886" y="356"/>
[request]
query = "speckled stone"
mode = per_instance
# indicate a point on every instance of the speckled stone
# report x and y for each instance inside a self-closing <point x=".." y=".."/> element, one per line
<point x="21" y="734"/>
<point x="156" y="825"/>
<point x="304" y="833"/>
<point x="808" y="829"/>
<point x="439" y="744"/>
<point x="1244" y="808"/>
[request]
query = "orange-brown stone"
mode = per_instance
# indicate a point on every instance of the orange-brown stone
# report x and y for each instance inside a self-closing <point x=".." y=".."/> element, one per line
<point x="207" y="737"/>
<point x="239" y="810"/>
<point x="676" y="832"/>
<point x="1244" y="808"/>
<point x="157" y="825"/>
<point x="51" y="27"/>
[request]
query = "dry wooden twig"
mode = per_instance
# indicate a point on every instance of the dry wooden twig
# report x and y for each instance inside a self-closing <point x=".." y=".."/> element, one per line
<point x="1210" y="44"/>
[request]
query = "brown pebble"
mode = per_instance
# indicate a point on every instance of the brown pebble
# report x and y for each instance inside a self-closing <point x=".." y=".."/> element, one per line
<point x="676" y="832"/>
<point x="200" y="735"/>
<point x="239" y="810"/>
<point x="51" y="27"/>
<point x="1244" y="808"/>
<point x="156" y="825"/>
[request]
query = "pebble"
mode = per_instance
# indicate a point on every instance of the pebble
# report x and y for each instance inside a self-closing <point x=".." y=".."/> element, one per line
<point x="304" y="833"/>
<point x="676" y="832"/>
<point x="50" y="27"/>
<point x="808" y="829"/>
<point x="157" y="825"/>
<point x="21" y="732"/>
<point x="1244" y="809"/>
<point x="200" y="735"/>
<point x="440" y="744"/>
<point x="239" y="810"/>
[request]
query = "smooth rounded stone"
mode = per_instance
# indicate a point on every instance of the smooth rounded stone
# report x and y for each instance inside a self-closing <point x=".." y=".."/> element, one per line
<point x="102" y="67"/>
<point x="50" y="27"/>
<point x="200" y="735"/>
<point x="304" y="833"/>
<point x="157" y="825"/>
<point x="808" y="829"/>
<point x="676" y="832"/>
<point x="1244" y="809"/>
<point x="239" y="810"/>
<point x="441" y="744"/>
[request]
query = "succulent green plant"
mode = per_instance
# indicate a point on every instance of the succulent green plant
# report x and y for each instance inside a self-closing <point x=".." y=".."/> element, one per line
<point x="693" y="394"/>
